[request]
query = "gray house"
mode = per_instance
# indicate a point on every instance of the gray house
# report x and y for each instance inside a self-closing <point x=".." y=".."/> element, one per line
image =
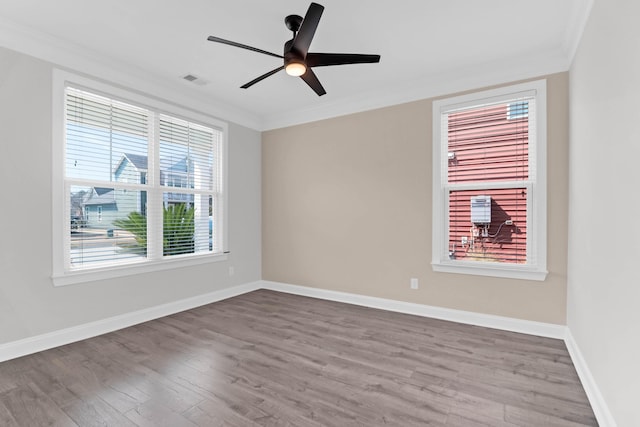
<point x="100" y="208"/>
<point x="132" y="168"/>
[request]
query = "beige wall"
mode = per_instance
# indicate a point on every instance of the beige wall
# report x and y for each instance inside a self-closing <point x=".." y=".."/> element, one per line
<point x="347" y="207"/>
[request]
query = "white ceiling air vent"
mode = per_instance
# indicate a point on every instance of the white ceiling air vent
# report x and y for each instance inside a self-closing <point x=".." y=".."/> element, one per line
<point x="195" y="79"/>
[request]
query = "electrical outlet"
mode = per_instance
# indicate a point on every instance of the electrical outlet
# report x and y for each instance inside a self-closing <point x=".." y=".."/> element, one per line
<point x="232" y="270"/>
<point x="508" y="222"/>
<point x="414" y="283"/>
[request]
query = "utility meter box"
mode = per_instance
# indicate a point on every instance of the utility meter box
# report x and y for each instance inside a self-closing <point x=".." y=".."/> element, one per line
<point x="481" y="209"/>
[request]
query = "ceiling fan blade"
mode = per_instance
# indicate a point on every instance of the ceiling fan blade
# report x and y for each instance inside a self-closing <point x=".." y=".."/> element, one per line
<point x="307" y="30"/>
<point x="326" y="59"/>
<point x="262" y="77"/>
<point x="242" y="46"/>
<point x="311" y="79"/>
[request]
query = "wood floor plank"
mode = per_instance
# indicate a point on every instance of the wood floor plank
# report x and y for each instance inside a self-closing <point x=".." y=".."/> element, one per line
<point x="551" y="398"/>
<point x="527" y="417"/>
<point x="6" y="419"/>
<point x="95" y="412"/>
<point x="273" y="359"/>
<point x="29" y="406"/>
<point x="210" y="415"/>
<point x="479" y="408"/>
<point x="153" y="414"/>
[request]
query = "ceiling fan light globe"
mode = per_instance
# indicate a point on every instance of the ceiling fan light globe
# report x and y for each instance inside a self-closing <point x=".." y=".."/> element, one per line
<point x="295" y="69"/>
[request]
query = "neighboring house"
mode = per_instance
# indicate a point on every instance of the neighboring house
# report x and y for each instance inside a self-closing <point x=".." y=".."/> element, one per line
<point x="132" y="169"/>
<point x="177" y="175"/>
<point x="488" y="145"/>
<point x="101" y="206"/>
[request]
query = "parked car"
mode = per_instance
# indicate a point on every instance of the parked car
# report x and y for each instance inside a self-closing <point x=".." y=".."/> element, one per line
<point x="77" y="222"/>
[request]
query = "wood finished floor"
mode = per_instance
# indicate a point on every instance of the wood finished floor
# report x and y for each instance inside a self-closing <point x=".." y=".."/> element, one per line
<point x="273" y="359"/>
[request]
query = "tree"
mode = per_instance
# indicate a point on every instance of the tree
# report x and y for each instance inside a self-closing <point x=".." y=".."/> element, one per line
<point x="178" y="229"/>
<point x="136" y="224"/>
<point x="77" y="199"/>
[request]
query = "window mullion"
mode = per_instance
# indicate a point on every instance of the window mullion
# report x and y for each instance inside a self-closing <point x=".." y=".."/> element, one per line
<point x="111" y="184"/>
<point x="492" y="185"/>
<point x="444" y="242"/>
<point x="532" y="255"/>
<point x="154" y="202"/>
<point x="66" y="226"/>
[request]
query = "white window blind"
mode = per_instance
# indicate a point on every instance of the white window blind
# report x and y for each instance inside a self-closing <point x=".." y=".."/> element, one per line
<point x="190" y="160"/>
<point x="140" y="185"/>
<point x="490" y="150"/>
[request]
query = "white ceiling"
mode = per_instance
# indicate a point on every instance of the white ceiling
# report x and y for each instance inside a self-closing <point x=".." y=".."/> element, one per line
<point x="428" y="47"/>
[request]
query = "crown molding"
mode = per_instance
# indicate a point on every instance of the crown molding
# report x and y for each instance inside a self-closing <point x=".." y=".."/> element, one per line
<point x="575" y="28"/>
<point x="75" y="58"/>
<point x="429" y="86"/>
<point x="79" y="59"/>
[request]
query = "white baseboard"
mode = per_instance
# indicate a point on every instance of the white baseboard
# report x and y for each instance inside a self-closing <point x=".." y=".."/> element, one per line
<point x="487" y="320"/>
<point x="599" y="406"/>
<point x="49" y="340"/>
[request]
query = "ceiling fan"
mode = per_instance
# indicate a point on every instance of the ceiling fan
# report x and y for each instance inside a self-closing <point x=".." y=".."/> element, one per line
<point x="298" y="61"/>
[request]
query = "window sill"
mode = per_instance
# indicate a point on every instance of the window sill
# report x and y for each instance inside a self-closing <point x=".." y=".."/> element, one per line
<point x="481" y="269"/>
<point x="74" y="277"/>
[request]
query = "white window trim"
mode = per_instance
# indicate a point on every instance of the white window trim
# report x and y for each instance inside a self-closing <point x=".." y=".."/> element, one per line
<point x="536" y="202"/>
<point x="61" y="226"/>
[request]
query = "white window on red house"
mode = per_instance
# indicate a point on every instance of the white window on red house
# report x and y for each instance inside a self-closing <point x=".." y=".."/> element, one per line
<point x="489" y="196"/>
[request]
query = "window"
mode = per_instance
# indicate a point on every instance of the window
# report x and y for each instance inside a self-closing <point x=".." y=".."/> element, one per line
<point x="143" y="186"/>
<point x="489" y="183"/>
<point x="517" y="110"/>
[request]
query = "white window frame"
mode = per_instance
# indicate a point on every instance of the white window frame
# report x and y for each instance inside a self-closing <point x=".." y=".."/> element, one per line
<point x="536" y="266"/>
<point x="62" y="274"/>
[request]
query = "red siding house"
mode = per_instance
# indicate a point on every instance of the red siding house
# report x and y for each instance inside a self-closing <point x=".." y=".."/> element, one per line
<point x="488" y="156"/>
